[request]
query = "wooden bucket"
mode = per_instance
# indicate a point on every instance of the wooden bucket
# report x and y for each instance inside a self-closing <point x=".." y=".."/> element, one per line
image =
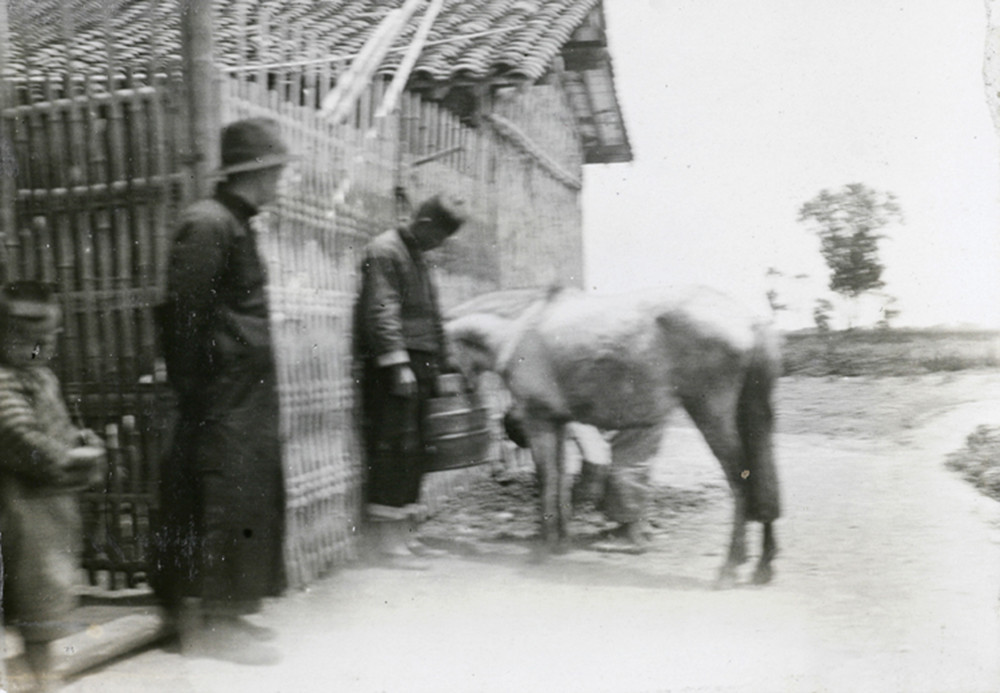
<point x="457" y="428"/>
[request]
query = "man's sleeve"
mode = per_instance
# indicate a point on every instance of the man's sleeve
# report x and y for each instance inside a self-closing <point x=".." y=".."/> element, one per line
<point x="382" y="310"/>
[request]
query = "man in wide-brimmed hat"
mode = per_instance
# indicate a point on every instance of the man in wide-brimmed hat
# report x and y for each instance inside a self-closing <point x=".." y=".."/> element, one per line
<point x="400" y="349"/>
<point x="44" y="462"/>
<point x="222" y="491"/>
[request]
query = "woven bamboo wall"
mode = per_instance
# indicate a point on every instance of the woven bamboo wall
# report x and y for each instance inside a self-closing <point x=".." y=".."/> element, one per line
<point x="540" y="222"/>
<point x="312" y="246"/>
<point x="542" y="111"/>
<point x="337" y="198"/>
<point x="469" y="263"/>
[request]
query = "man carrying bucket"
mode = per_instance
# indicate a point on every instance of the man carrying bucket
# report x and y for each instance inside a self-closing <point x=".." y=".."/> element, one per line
<point x="400" y="350"/>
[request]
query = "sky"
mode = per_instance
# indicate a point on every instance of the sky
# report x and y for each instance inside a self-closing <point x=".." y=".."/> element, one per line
<point x="738" y="113"/>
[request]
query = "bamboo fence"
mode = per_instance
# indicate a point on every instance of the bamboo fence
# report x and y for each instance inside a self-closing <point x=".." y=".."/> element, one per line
<point x="100" y="175"/>
<point x="104" y="163"/>
<point x="99" y="181"/>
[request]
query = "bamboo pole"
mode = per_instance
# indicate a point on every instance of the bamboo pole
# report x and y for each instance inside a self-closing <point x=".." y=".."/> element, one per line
<point x="132" y="462"/>
<point x="71" y="349"/>
<point x="338" y="103"/>
<point x="7" y="175"/>
<point x="409" y="60"/>
<point x="55" y="152"/>
<point x="365" y="65"/>
<point x="114" y="510"/>
<point x="202" y="90"/>
<point x="6" y="222"/>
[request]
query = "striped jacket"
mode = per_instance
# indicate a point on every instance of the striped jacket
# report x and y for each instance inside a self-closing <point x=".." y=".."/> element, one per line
<point x="36" y="433"/>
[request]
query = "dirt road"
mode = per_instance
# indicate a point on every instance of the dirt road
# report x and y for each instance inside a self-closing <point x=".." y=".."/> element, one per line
<point x="888" y="580"/>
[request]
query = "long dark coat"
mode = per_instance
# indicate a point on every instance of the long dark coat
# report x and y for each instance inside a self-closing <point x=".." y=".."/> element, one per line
<point x="222" y="487"/>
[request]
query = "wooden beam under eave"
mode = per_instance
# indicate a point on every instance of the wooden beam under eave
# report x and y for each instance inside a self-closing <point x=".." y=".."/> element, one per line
<point x="577" y="58"/>
<point x="607" y="154"/>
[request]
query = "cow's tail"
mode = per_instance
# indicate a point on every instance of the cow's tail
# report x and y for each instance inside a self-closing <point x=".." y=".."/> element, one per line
<point x="755" y="423"/>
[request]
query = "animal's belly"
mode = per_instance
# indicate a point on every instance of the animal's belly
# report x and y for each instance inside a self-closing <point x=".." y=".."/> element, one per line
<point x="615" y="393"/>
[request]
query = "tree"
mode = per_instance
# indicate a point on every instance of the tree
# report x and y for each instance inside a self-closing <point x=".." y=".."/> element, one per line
<point x="821" y="315"/>
<point x="772" y="293"/>
<point x="889" y="313"/>
<point x="848" y="222"/>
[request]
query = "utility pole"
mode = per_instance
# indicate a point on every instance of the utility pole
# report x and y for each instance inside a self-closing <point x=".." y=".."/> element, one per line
<point x="6" y="226"/>
<point x="203" y="105"/>
<point x="8" y="181"/>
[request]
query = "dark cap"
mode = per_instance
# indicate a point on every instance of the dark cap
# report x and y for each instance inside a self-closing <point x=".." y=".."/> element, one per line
<point x="29" y="306"/>
<point x="444" y="211"/>
<point x="252" y="144"/>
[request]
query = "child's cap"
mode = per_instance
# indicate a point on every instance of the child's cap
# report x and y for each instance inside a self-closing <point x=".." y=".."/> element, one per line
<point x="29" y="306"/>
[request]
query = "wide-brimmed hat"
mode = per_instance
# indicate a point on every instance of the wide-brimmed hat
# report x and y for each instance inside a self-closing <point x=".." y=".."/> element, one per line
<point x="252" y="144"/>
<point x="29" y="307"/>
<point x="444" y="211"/>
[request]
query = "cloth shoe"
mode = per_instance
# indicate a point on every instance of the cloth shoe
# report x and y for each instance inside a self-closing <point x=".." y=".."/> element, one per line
<point x="390" y="544"/>
<point x="417" y="514"/>
<point x="228" y="639"/>
<point x="422" y="550"/>
<point x="258" y="633"/>
<point x="629" y="537"/>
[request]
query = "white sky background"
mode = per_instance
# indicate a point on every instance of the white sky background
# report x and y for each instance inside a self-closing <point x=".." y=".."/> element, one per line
<point x="740" y="112"/>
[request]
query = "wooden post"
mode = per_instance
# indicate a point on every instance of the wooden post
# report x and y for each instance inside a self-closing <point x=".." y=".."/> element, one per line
<point x="202" y="92"/>
<point x="8" y="181"/>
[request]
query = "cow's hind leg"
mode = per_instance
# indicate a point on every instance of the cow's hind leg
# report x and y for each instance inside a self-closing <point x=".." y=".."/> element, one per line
<point x="769" y="549"/>
<point x="714" y="416"/>
<point x="564" y="493"/>
<point x="755" y="422"/>
<point x="737" y="554"/>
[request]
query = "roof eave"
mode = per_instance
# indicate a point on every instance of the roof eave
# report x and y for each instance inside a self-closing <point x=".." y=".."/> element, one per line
<point x="586" y="57"/>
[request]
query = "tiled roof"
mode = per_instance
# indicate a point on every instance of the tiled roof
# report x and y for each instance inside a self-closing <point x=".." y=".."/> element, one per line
<point x="471" y="40"/>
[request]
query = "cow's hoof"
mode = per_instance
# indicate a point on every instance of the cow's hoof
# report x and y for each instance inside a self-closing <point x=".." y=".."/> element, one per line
<point x="763" y="575"/>
<point x="539" y="554"/>
<point x="726" y="579"/>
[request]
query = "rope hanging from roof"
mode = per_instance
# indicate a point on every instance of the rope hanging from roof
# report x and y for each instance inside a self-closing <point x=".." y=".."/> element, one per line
<point x="521" y="140"/>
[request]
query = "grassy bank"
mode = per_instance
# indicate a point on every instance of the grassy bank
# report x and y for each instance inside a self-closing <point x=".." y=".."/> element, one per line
<point x="979" y="461"/>
<point x="883" y="359"/>
<point x="889" y="352"/>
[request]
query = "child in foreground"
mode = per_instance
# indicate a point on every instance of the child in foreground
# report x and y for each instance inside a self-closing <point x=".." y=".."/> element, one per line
<point x="44" y="462"/>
